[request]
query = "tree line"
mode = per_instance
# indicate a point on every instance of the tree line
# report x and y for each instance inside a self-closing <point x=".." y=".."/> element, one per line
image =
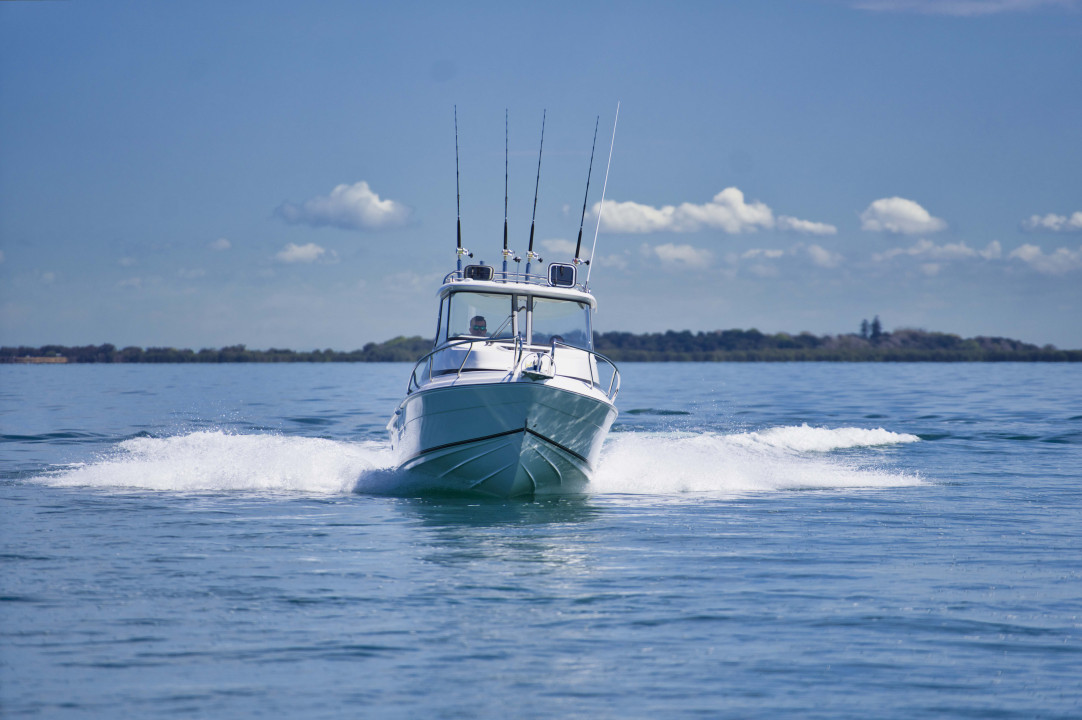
<point x="871" y="345"/>
<point x="400" y="349"/>
<point x="905" y="345"/>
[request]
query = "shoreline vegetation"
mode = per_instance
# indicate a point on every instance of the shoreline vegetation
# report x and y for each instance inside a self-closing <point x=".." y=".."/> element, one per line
<point x="903" y="345"/>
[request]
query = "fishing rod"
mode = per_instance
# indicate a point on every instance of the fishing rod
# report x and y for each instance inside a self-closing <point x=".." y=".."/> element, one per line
<point x="531" y="255"/>
<point x="458" y="201"/>
<point x="582" y="220"/>
<point x="506" y="253"/>
<point x="590" y="264"/>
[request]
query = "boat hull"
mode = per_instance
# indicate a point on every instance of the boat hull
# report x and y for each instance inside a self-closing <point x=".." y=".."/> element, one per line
<point x="506" y="439"/>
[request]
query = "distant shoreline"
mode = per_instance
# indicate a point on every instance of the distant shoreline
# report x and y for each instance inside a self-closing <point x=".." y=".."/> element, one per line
<point x="716" y="346"/>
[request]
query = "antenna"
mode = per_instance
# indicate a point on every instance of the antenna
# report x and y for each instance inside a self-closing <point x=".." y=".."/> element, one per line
<point x="458" y="200"/>
<point x="531" y="255"/>
<point x="590" y="264"/>
<point x="506" y="253"/>
<point x="582" y="220"/>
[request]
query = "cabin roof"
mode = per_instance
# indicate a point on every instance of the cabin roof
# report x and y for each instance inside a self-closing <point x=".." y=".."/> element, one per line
<point x="517" y="288"/>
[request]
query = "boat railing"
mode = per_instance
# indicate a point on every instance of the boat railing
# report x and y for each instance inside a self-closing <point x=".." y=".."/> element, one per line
<point x="425" y="363"/>
<point x="509" y="277"/>
<point x="424" y="369"/>
<point x="613" y="388"/>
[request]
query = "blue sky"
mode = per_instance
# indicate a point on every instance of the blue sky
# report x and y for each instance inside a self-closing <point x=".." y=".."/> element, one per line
<point x="281" y="174"/>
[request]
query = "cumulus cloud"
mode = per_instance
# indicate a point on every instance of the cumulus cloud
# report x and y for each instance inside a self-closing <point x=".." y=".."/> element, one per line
<point x="1053" y="223"/>
<point x="823" y="257"/>
<point x="805" y="226"/>
<point x="928" y="250"/>
<point x="559" y="245"/>
<point x="615" y="260"/>
<point x="898" y="215"/>
<point x="761" y="253"/>
<point x="727" y="211"/>
<point x="1060" y="261"/>
<point x="348" y="207"/>
<point x="818" y="255"/>
<point x="683" y="255"/>
<point x="220" y="244"/>
<point x="960" y="8"/>
<point x="292" y="253"/>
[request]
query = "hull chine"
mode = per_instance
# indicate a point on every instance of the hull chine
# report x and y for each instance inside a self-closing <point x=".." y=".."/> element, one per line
<point x="501" y="439"/>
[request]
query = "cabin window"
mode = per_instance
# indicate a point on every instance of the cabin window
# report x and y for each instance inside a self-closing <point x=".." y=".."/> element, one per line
<point x="566" y="320"/>
<point x="480" y="315"/>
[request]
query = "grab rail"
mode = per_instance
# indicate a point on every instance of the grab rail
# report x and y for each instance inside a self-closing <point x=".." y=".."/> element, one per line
<point x="614" y="380"/>
<point x="414" y="383"/>
<point x="510" y="277"/>
<point x="518" y="362"/>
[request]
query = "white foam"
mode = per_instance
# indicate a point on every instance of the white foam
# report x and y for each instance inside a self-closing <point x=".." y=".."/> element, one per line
<point x="217" y="461"/>
<point x="783" y="458"/>
<point x="757" y="462"/>
<point x="805" y="438"/>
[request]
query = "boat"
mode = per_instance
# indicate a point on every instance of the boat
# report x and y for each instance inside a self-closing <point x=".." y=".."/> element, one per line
<point x="512" y="400"/>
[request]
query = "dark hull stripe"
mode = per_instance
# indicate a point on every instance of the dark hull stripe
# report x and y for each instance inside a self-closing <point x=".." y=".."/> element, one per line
<point x="552" y="442"/>
<point x="536" y="434"/>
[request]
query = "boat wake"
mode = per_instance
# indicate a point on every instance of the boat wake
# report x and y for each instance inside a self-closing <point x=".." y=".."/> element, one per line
<point x="781" y="458"/>
<point x="776" y="459"/>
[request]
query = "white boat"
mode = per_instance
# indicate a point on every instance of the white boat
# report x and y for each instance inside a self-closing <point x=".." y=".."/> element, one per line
<point x="512" y="400"/>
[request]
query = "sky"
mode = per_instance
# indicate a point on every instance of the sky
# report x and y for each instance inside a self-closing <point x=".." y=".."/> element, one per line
<point x="282" y="174"/>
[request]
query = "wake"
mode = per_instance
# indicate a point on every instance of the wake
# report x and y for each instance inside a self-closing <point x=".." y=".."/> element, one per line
<point x="776" y="459"/>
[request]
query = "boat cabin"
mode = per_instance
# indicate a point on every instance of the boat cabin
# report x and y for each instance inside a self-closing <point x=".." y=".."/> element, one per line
<point x="528" y="309"/>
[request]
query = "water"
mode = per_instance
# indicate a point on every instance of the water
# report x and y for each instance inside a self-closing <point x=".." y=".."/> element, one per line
<point x="761" y="541"/>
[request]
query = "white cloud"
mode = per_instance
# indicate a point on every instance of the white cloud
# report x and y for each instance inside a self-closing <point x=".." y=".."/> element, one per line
<point x="819" y="256"/>
<point x="960" y="8"/>
<point x="615" y="260"/>
<point x="1058" y="262"/>
<point x="685" y="255"/>
<point x="301" y="253"/>
<point x="1053" y="223"/>
<point x="559" y="246"/>
<point x="349" y="207"/>
<point x="927" y="250"/>
<point x="727" y="211"/>
<point x="898" y="215"/>
<point x="805" y="226"/>
<point x="761" y="252"/>
<point x="992" y="251"/>
<point x="823" y="257"/>
<point x="220" y="244"/>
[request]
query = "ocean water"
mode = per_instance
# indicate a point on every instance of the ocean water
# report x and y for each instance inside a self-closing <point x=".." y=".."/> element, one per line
<point x="761" y="541"/>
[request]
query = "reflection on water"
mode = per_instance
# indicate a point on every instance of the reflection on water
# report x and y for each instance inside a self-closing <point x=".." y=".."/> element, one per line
<point x="525" y="536"/>
<point x="475" y="512"/>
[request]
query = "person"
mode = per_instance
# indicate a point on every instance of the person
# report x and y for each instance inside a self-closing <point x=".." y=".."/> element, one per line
<point x="478" y="326"/>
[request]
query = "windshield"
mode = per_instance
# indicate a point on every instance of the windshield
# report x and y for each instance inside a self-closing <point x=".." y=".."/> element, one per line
<point x="566" y="321"/>
<point x="475" y="314"/>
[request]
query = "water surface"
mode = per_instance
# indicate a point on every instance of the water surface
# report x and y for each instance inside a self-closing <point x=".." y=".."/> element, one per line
<point x="761" y="540"/>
